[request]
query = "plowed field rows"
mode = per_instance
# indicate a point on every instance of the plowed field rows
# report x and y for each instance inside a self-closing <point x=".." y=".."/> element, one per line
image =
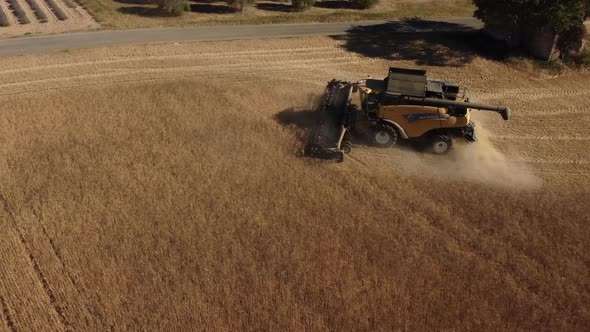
<point x="25" y="17"/>
<point x="160" y="187"/>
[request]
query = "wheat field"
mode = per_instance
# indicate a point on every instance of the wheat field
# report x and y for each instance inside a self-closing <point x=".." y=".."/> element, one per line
<point x="161" y="188"/>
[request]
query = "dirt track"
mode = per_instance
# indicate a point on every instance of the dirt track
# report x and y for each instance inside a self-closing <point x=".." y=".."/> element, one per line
<point x="156" y="187"/>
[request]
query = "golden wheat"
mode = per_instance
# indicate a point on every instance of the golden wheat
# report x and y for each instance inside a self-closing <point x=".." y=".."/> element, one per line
<point x="182" y="203"/>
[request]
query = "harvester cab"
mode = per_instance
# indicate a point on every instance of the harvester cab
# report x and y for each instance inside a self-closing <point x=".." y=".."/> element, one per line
<point x="403" y="106"/>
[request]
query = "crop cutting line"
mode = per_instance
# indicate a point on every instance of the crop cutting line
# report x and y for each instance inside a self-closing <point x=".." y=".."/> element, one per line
<point x="171" y="74"/>
<point x="543" y="138"/>
<point x="189" y="56"/>
<point x="7" y="316"/>
<point x="266" y="66"/>
<point x="46" y="287"/>
<point x="66" y="271"/>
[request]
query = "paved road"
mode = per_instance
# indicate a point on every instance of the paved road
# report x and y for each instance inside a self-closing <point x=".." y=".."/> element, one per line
<point x="50" y="43"/>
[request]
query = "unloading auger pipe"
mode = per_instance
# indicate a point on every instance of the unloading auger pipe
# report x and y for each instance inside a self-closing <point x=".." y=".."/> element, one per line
<point x="505" y="111"/>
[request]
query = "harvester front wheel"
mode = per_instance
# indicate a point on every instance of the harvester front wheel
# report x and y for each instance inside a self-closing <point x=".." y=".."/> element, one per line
<point x="383" y="135"/>
<point x="441" y="144"/>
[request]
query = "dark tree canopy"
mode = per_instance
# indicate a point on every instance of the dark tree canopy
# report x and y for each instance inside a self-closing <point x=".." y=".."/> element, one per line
<point x="551" y="15"/>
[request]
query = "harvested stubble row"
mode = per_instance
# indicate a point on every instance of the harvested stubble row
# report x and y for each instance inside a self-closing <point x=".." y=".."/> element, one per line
<point x="3" y="19"/>
<point x="59" y="13"/>
<point x="19" y="12"/>
<point x="70" y="4"/>
<point x="39" y="13"/>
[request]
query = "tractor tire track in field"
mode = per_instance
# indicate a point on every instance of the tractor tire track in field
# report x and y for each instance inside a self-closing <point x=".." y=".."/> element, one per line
<point x="555" y="161"/>
<point x="7" y="316"/>
<point x="541" y="138"/>
<point x="326" y="50"/>
<point x="275" y="65"/>
<point x="561" y="171"/>
<point x="540" y="111"/>
<point x="65" y="271"/>
<point x="532" y="94"/>
<point x="121" y="81"/>
<point x="36" y="267"/>
<point x="200" y="71"/>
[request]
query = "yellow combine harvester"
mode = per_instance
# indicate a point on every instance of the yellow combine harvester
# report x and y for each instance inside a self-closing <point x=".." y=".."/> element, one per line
<point x="405" y="105"/>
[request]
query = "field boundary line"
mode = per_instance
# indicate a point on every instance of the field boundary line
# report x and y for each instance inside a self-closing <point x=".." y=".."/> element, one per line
<point x="542" y="138"/>
<point x="267" y="66"/>
<point x="176" y="74"/>
<point x="7" y="316"/>
<point x="187" y="56"/>
<point x="46" y="287"/>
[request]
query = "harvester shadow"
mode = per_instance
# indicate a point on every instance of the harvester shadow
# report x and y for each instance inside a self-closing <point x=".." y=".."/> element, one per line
<point x="429" y="43"/>
<point x="304" y="121"/>
<point x="298" y="118"/>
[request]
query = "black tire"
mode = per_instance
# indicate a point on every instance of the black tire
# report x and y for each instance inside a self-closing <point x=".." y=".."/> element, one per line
<point x="384" y="135"/>
<point x="441" y="144"/>
<point x="306" y="152"/>
<point x="310" y="150"/>
<point x="346" y="146"/>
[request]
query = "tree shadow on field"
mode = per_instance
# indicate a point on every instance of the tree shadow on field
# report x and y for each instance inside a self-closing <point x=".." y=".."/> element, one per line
<point x="200" y="6"/>
<point x="428" y="43"/>
<point x="140" y="11"/>
<point x="136" y="2"/>
<point x="276" y="7"/>
<point x="209" y="8"/>
<point x="336" y="4"/>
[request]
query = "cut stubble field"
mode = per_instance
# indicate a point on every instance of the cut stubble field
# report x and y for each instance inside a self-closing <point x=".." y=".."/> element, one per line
<point x="162" y="187"/>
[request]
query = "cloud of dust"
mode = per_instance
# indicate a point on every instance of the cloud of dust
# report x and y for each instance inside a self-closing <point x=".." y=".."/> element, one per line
<point x="480" y="162"/>
<point x="483" y="162"/>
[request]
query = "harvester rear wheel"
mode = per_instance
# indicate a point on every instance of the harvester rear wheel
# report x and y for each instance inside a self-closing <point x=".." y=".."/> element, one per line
<point x="383" y="135"/>
<point x="346" y="147"/>
<point x="441" y="144"/>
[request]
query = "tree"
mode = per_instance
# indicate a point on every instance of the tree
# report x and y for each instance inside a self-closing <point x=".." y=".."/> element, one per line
<point x="172" y="7"/>
<point x="240" y="3"/>
<point x="365" y="4"/>
<point x="551" y="15"/>
<point x="302" y="4"/>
